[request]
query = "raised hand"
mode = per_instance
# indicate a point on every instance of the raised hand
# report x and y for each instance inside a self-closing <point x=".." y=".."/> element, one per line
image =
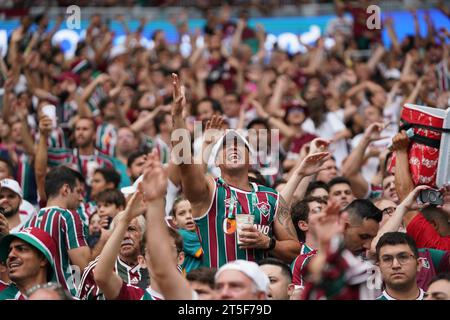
<point x="259" y="108"/>
<point x="17" y="35"/>
<point x="214" y="129"/>
<point x="133" y="209"/>
<point x="372" y="133"/>
<point x="313" y="163"/>
<point x="4" y="226"/>
<point x="318" y="145"/>
<point x="331" y="224"/>
<point x="410" y="203"/>
<point x="179" y="99"/>
<point x="154" y="183"/>
<point x="45" y="126"/>
<point x="400" y="142"/>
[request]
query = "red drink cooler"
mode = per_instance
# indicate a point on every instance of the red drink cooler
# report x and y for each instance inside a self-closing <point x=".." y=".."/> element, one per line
<point x="424" y="147"/>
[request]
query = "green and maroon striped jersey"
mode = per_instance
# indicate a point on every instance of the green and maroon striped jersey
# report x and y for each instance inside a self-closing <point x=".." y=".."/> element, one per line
<point x="129" y="292"/>
<point x="69" y="233"/>
<point x="219" y="247"/>
<point x="300" y="263"/>
<point x="86" y="164"/>
<point x="106" y="139"/>
<point x="88" y="289"/>
<point x="11" y="292"/>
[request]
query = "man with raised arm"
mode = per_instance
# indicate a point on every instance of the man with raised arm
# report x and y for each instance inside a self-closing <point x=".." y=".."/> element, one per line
<point x="215" y="202"/>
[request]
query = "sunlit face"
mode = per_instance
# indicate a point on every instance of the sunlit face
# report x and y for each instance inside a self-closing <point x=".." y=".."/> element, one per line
<point x="313" y="217"/>
<point x="183" y="216"/>
<point x="279" y="282"/>
<point x="94" y="224"/>
<point x="342" y="194"/>
<point x="84" y="133"/>
<point x="233" y="156"/>
<point x="438" y="290"/>
<point x="24" y="261"/>
<point x="231" y="106"/>
<point x="131" y="243"/>
<point x="98" y="184"/>
<point x="330" y="171"/>
<point x="10" y="202"/>
<point x="5" y="129"/>
<point x="4" y="171"/>
<point x="387" y="207"/>
<point x="137" y="167"/>
<point x="109" y="111"/>
<point x="389" y="191"/>
<point x="126" y="141"/>
<point x="319" y="193"/>
<point x="75" y="196"/>
<point x="358" y="236"/>
<point x="235" y="285"/>
<point x="397" y="274"/>
<point x="204" y="110"/>
<point x="296" y="116"/>
<point x="108" y="209"/>
<point x="371" y="115"/>
<point x="204" y="291"/>
<point x="16" y="135"/>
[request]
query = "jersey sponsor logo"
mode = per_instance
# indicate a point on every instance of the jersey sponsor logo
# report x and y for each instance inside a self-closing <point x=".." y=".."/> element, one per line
<point x="264" y="229"/>
<point x="134" y="281"/>
<point x="229" y="226"/>
<point x="425" y="263"/>
<point x="264" y="208"/>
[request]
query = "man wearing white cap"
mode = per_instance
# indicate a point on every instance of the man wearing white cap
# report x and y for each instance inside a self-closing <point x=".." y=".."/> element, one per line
<point x="217" y="202"/>
<point x="241" y="280"/>
<point x="16" y="210"/>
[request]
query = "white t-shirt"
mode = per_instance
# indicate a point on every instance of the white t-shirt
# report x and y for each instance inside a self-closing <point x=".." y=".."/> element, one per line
<point x="327" y="130"/>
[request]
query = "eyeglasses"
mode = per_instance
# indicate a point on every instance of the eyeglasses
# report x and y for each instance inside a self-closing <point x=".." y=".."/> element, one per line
<point x="389" y="210"/>
<point x="402" y="258"/>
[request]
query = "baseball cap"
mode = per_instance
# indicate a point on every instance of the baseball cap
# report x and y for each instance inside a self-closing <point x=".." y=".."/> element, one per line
<point x="12" y="185"/>
<point x="35" y="237"/>
<point x="251" y="270"/>
<point x="229" y="136"/>
<point x="133" y="188"/>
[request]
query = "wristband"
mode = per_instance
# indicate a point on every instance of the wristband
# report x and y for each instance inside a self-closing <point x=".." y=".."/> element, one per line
<point x="272" y="244"/>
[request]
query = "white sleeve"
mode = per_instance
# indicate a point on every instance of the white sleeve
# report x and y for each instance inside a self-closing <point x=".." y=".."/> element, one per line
<point x="172" y="193"/>
<point x="334" y="122"/>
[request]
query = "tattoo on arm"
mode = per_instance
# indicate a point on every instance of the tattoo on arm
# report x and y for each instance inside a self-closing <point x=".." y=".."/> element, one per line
<point x="284" y="217"/>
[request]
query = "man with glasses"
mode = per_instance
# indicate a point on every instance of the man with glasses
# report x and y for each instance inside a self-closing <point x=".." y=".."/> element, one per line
<point x="398" y="259"/>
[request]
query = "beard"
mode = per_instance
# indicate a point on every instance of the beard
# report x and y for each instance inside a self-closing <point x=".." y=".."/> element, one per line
<point x="9" y="212"/>
<point x="401" y="286"/>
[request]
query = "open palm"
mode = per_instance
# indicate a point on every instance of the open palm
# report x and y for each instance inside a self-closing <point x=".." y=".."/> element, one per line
<point x="313" y="163"/>
<point x="154" y="183"/>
